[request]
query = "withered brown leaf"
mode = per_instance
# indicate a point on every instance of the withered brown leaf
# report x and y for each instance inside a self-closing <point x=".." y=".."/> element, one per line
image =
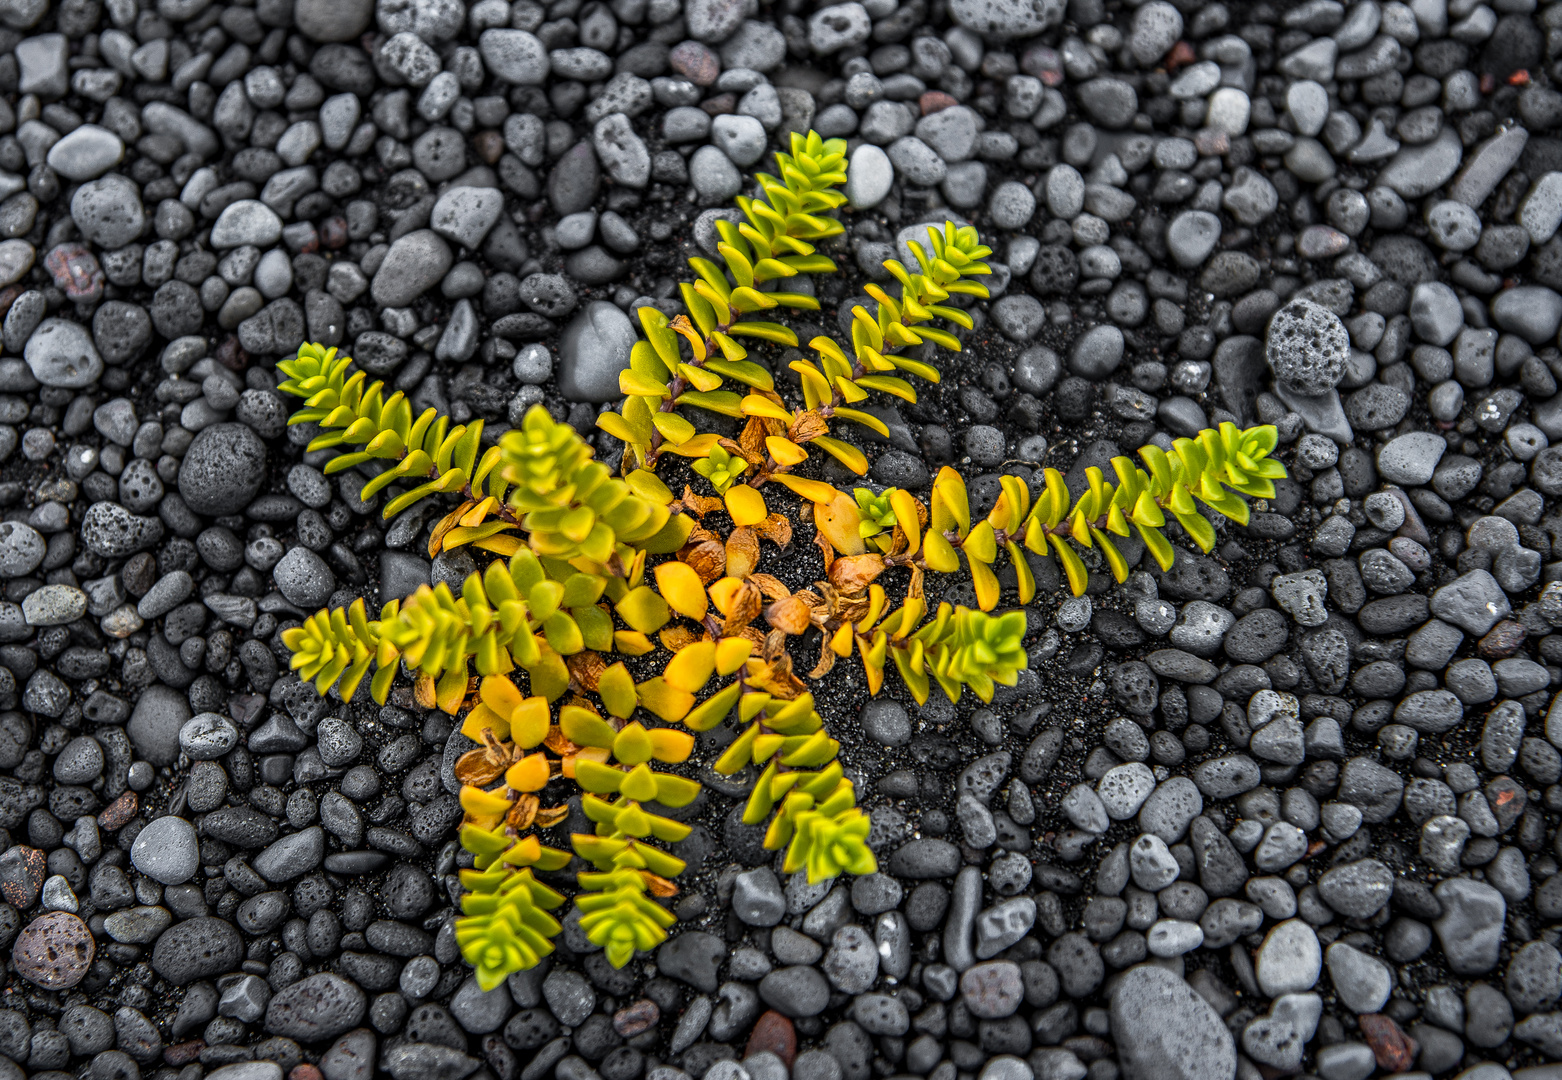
<point x="436" y="540"/>
<point x="770" y="586"/>
<point x="698" y="505"/>
<point x="551" y="816"/>
<point x="742" y="552"/>
<point x="423" y="691"/>
<point x="586" y="668"/>
<point x="777" y="529"/>
<point x="745" y="608"/>
<point x="659" y="886"/>
<point x="793" y="614"/>
<point x="854" y="573"/>
<point x="478" y="767"/>
<point x="807" y="426"/>
<point x="523" y="813"/>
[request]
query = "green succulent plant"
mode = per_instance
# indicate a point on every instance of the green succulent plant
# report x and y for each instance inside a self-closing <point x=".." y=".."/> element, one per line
<point x="591" y="566"/>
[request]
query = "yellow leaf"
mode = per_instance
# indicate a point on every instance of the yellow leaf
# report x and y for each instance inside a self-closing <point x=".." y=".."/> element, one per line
<point x="756" y="405"/>
<point x="844" y="452"/>
<point x="746" y="505"/>
<point x="665" y="700"/>
<point x="691" y="666"/>
<point x="680" y="586"/>
<point x="812" y="490"/>
<point x="731" y="653"/>
<point x="697" y="447"/>
<point x="785" y="451"/>
<point x="528" y="774"/>
<point x="671" y="746"/>
<point x="838" y="520"/>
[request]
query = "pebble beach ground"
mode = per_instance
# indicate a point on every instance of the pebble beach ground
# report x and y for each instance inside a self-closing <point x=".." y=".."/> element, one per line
<point x="1288" y="808"/>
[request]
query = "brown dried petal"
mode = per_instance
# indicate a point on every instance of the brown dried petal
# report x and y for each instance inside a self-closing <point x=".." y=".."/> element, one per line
<point x="745" y="609"/>
<point x="677" y="636"/>
<point x="523" y="813"/>
<point x="753" y="440"/>
<point x="826" y="660"/>
<point x="586" y="668"/>
<point x="737" y="449"/>
<point x="559" y="744"/>
<point x="826" y="549"/>
<point x="777" y="529"/>
<point x="708" y="559"/>
<point x="793" y="615"/>
<point x="854" y="573"/>
<point x="551" y="816"/>
<point x="699" y="505"/>
<point x="742" y="552"/>
<point x="770" y="586"/>
<point x="478" y="767"/>
<point x="807" y="426"/>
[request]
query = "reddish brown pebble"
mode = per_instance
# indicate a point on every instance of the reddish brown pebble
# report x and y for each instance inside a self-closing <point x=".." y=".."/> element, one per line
<point x="1181" y="53"/>
<point x="489" y="145"/>
<point x="118" y="812"/>
<point x="1044" y="63"/>
<point x="1504" y="639"/>
<point x="720" y="105"/>
<point x="7" y="298"/>
<point x="1394" y="1049"/>
<point x="231" y="355"/>
<point x="636" y="1017"/>
<point x="76" y="270"/>
<point x="775" y="1033"/>
<point x="1212" y="142"/>
<point x="54" y="951"/>
<point x="183" y="1053"/>
<point x="935" y="101"/>
<point x="311" y="242"/>
<point x="22" y="872"/>
<point x="333" y="234"/>
<point x="1507" y="801"/>
<point x="305" y="1071"/>
<point x="694" y="62"/>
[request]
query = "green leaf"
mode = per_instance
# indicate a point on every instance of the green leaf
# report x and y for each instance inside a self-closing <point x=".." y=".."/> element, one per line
<point x="724" y="402"/>
<point x="743" y="371"/>
<point x="766" y="331"/>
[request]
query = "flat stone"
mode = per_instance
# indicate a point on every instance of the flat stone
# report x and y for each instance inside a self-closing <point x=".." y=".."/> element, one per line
<point x="1417" y="171"/>
<point x="246" y="223"/>
<point x="1164" y="1030"/>
<point x="54" y="951"/>
<point x="1001" y="20"/>
<point x="86" y="153"/>
<point x="1290" y="959"/>
<point x="1411" y="459"/>
<point x="414" y="264"/>
<point x="593" y="350"/>
<point x="1471" y="926"/>
<point x="61" y="353"/>
<point x="465" y="214"/>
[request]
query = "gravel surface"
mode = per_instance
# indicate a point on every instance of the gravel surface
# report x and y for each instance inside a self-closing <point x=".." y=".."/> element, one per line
<point x="1290" y="807"/>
